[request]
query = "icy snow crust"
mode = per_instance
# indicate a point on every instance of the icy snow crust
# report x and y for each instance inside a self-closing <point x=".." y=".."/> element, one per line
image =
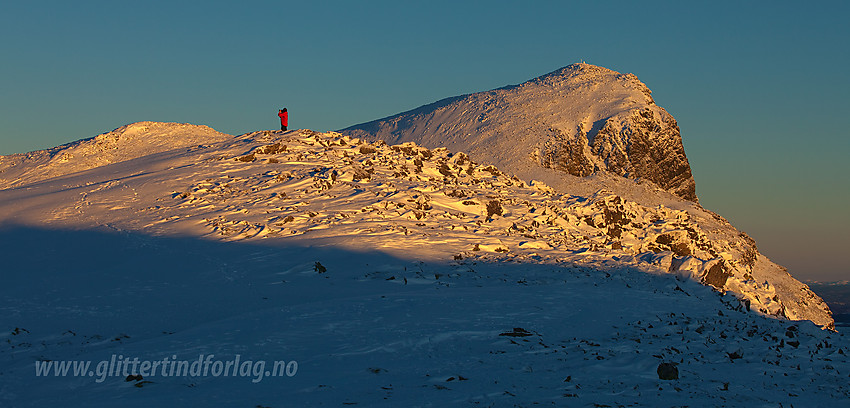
<point x="446" y="282"/>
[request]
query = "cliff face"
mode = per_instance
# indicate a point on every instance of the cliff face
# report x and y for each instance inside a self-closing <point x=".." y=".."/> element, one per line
<point x="642" y="143"/>
<point x="581" y="119"/>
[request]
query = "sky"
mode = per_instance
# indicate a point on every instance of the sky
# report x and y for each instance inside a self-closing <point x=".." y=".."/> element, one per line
<point x="759" y="88"/>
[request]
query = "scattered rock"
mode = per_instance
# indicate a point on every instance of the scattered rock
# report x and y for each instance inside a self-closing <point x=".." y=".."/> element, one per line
<point x="271" y="149"/>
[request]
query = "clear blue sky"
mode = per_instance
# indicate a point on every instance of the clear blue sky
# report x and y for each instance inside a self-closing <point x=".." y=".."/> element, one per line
<point x="760" y="89"/>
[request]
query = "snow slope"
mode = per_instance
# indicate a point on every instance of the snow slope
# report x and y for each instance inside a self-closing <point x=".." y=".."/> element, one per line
<point x="125" y="143"/>
<point x="394" y="276"/>
<point x="269" y="185"/>
<point x="363" y="337"/>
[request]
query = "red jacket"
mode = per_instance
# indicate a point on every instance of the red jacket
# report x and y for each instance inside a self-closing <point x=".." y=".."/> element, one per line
<point x="284" y="118"/>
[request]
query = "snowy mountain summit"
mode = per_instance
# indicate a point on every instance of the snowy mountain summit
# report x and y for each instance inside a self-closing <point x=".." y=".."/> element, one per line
<point x="581" y="119"/>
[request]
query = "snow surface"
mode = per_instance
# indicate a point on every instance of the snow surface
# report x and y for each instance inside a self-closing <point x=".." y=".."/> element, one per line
<point x="443" y="282"/>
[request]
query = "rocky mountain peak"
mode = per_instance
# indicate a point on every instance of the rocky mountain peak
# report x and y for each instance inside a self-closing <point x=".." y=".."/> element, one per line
<point x="581" y="119"/>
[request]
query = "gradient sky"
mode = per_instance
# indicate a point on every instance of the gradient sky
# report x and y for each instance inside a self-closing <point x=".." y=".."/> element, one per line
<point x="760" y="89"/>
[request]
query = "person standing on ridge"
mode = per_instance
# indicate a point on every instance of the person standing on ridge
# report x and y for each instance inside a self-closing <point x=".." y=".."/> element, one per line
<point x="284" y="118"/>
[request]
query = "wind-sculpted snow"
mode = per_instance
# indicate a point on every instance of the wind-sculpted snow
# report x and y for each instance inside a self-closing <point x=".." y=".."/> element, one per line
<point x="395" y="276"/>
<point x="428" y="202"/>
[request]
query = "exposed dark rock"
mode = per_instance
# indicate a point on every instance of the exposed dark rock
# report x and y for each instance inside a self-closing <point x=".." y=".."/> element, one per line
<point x="667" y="371"/>
<point x="408" y="150"/>
<point x="680" y="249"/>
<point x="654" y="151"/>
<point x="570" y="157"/>
<point x="247" y="158"/>
<point x="445" y="170"/>
<point x="735" y="355"/>
<point x="665" y="239"/>
<point x="517" y="332"/>
<point x="669" y="242"/>
<point x="494" y="207"/>
<point x="614" y="216"/>
<point x="271" y="149"/>
<point x="717" y="275"/>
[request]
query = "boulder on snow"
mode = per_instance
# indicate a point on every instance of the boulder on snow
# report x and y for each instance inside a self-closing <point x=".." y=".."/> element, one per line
<point x="516" y="332"/>
<point x="668" y="371"/>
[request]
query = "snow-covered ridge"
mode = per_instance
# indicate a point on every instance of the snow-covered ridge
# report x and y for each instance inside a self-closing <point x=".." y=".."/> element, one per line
<point x="580" y="120"/>
<point x="410" y="201"/>
<point x="124" y="143"/>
